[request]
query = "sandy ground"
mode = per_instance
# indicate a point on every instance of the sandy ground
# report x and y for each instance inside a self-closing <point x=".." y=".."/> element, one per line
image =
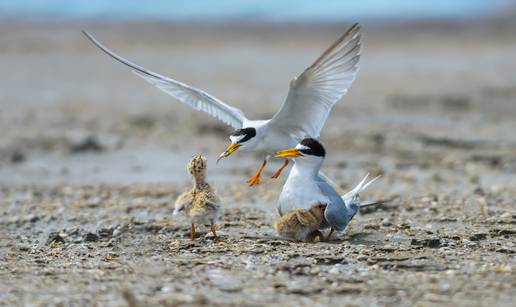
<point x="92" y="158"/>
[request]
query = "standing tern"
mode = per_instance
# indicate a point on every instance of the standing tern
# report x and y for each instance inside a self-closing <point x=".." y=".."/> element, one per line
<point x="309" y="101"/>
<point x="305" y="189"/>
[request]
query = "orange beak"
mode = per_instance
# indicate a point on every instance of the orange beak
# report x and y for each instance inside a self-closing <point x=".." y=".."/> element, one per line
<point x="288" y="153"/>
<point x="231" y="149"/>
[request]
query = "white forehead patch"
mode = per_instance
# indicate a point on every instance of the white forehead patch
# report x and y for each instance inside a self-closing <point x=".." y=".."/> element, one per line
<point x="236" y="138"/>
<point x="302" y="147"/>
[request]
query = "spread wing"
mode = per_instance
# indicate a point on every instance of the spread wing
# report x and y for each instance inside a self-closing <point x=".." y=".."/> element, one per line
<point x="195" y="98"/>
<point x="319" y="87"/>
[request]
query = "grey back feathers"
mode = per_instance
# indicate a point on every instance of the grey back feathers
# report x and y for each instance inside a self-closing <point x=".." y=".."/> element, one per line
<point x="342" y="209"/>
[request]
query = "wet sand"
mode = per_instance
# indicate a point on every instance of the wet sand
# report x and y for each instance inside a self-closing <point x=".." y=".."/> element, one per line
<point x="92" y="158"/>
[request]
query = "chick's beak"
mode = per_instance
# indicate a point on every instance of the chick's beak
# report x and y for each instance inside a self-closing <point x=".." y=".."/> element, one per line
<point x="231" y="149"/>
<point x="288" y="153"/>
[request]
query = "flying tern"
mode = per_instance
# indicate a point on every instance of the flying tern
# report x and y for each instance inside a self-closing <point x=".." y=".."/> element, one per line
<point x="310" y="99"/>
<point x="305" y="189"/>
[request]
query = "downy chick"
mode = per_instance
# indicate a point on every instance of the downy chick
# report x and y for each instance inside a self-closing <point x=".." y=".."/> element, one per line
<point x="302" y="224"/>
<point x="201" y="205"/>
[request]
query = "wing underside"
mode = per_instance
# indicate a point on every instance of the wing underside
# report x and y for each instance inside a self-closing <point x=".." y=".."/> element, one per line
<point x="195" y="98"/>
<point x="313" y="94"/>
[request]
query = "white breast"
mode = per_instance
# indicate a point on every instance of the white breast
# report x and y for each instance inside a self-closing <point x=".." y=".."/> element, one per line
<point x="299" y="192"/>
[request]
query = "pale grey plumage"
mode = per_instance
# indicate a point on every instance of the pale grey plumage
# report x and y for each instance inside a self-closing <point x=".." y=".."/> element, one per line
<point x="307" y="106"/>
<point x="342" y="209"/>
<point x="309" y="101"/>
<point x="195" y="98"/>
<point x="313" y="93"/>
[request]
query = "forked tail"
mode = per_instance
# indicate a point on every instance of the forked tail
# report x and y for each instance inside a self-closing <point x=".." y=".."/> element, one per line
<point x="360" y="187"/>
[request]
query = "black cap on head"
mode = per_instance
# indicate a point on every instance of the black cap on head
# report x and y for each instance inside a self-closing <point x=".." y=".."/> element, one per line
<point x="314" y="148"/>
<point x="247" y="134"/>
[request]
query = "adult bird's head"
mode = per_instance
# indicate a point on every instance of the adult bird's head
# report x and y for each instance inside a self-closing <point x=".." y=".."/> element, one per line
<point x="308" y="148"/>
<point x="308" y="155"/>
<point x="241" y="138"/>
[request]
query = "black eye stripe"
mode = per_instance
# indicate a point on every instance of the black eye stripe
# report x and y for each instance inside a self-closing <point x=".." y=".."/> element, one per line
<point x="247" y="132"/>
<point x="314" y="147"/>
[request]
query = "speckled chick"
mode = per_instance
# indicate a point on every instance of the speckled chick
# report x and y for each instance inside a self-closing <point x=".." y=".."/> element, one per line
<point x="201" y="205"/>
<point x="301" y="225"/>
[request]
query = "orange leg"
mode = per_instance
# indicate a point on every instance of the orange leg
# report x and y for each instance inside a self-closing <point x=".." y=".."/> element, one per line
<point x="278" y="172"/>
<point x="192" y="233"/>
<point x="256" y="178"/>
<point x="213" y="230"/>
<point x="329" y="235"/>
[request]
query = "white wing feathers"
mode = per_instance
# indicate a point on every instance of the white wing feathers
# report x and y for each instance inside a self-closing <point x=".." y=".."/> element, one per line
<point x="195" y="98"/>
<point x="320" y="86"/>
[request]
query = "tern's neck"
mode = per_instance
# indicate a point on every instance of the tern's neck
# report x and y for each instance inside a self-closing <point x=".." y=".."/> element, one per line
<point x="307" y="166"/>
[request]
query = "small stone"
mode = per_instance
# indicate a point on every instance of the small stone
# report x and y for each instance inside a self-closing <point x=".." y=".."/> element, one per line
<point x="334" y="271"/>
<point x="18" y="157"/>
<point x="24" y="247"/>
<point x="105" y="232"/>
<point x="434" y="242"/>
<point x="478" y="236"/>
<point x="89" y="143"/>
<point x="117" y="232"/>
<point x="506" y="215"/>
<point x="362" y="258"/>
<point x="277" y="285"/>
<point x="90" y="237"/>
<point x="479" y="191"/>
<point x="56" y="238"/>
<point x="386" y="222"/>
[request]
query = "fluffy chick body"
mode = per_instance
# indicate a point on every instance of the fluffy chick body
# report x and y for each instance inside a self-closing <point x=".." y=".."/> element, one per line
<point x="301" y="224"/>
<point x="201" y="204"/>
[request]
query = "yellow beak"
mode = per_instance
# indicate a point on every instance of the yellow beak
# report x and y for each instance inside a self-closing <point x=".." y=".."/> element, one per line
<point x="288" y="153"/>
<point x="231" y="149"/>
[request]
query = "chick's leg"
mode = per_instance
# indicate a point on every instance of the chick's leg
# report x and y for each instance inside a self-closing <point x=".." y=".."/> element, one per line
<point x="278" y="172"/>
<point x="213" y="230"/>
<point x="192" y="233"/>
<point x="256" y="178"/>
<point x="329" y="235"/>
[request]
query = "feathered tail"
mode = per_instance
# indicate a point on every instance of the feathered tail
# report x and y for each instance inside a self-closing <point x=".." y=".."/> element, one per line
<point x="360" y="187"/>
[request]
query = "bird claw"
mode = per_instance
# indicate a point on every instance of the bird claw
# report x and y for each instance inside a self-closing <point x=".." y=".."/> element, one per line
<point x="255" y="180"/>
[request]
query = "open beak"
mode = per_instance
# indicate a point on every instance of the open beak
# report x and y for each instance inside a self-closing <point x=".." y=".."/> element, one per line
<point x="288" y="153"/>
<point x="231" y="149"/>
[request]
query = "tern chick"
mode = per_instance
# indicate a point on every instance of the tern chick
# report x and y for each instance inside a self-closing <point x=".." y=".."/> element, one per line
<point x="302" y="225"/>
<point x="305" y="188"/>
<point x="201" y="205"/>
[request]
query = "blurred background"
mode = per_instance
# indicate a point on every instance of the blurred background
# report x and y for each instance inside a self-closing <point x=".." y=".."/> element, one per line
<point x="92" y="157"/>
<point x="433" y="106"/>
